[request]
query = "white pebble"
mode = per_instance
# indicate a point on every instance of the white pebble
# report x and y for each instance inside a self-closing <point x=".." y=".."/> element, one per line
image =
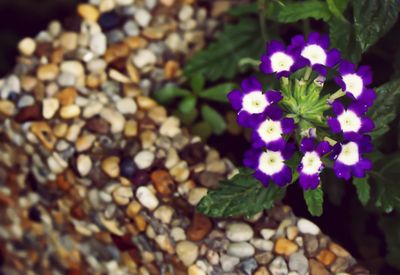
<point x="267" y="233"/>
<point x="178" y="234"/>
<point x="144" y="58"/>
<point x="239" y="232"/>
<point x="241" y="250"/>
<point x="144" y="159"/>
<point x="142" y="17"/>
<point x="27" y="46"/>
<point x="146" y="198"/>
<point x="98" y="44"/>
<point x="307" y="227"/>
<point x="228" y="263"/>
<point x="126" y="105"/>
<point x="262" y="244"/>
<point x="185" y="13"/>
<point x="84" y="165"/>
<point x="50" y="107"/>
<point x="164" y="213"/>
<point x="187" y="252"/>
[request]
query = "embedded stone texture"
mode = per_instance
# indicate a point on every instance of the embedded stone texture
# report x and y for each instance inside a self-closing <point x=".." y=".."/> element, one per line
<point x="93" y="174"/>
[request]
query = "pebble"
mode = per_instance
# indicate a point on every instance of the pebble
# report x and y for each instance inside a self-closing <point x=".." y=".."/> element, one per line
<point x="298" y="262"/>
<point x="187" y="252"/>
<point x="178" y="234"/>
<point x="241" y="249"/>
<point x="267" y="233"/>
<point x="93" y="108"/>
<point x="338" y="250"/>
<point x="163" y="182"/>
<point x="131" y="128"/>
<point x="278" y="267"/>
<point x="180" y="172"/>
<point x="110" y="166"/>
<point x="195" y="270"/>
<point x="50" y="107"/>
<point x="122" y="195"/>
<point x="144" y="58"/>
<point x="307" y="227"/>
<point x="146" y="198"/>
<point x="69" y="41"/>
<point x="88" y="12"/>
<point x="98" y="44"/>
<point x="196" y="194"/>
<point x="185" y="13"/>
<point x="84" y="142"/>
<point x="285" y="247"/>
<point x="72" y="67"/>
<point x="124" y="2"/>
<point x="228" y="263"/>
<point x="262" y="244"/>
<point x="70" y="111"/>
<point x="142" y="17"/>
<point x="144" y="159"/>
<point x="84" y="165"/>
<point x="326" y="257"/>
<point x="126" y="106"/>
<point x="239" y="232"/>
<point x="199" y="227"/>
<point x="7" y="107"/>
<point x="164" y="213"/>
<point x="248" y="266"/>
<point x="114" y="118"/>
<point x="170" y="127"/>
<point x="27" y="46"/>
<point x="127" y="167"/>
<point x="316" y="268"/>
<point x="131" y="28"/>
<point x="47" y="72"/>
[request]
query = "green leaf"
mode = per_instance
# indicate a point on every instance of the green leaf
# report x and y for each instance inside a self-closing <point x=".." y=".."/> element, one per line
<point x="187" y="104"/>
<point x="218" y="93"/>
<point x="197" y="83"/>
<point x="168" y="93"/>
<point x="372" y="19"/>
<point x="214" y="119"/>
<point x="241" y="195"/>
<point x="337" y="7"/>
<point x="221" y="58"/>
<point x="385" y="108"/>
<point x="244" y="9"/>
<point x="390" y="225"/>
<point x="293" y="12"/>
<point x="343" y="37"/>
<point x="387" y="182"/>
<point x="314" y="200"/>
<point x="188" y="118"/>
<point x="363" y="189"/>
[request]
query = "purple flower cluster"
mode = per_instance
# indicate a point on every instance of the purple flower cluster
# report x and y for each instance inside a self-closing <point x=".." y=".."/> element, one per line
<point x="277" y="136"/>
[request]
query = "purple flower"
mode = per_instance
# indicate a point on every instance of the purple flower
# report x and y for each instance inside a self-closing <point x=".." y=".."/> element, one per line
<point x="352" y="122"/>
<point x="278" y="60"/>
<point x="268" y="131"/>
<point x="270" y="165"/>
<point x="311" y="165"/>
<point x="315" y="52"/>
<point x="354" y="82"/>
<point x="251" y="102"/>
<point x="348" y="158"/>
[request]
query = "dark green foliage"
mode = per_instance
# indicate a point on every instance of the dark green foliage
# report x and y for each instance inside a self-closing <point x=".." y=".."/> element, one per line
<point x="314" y="200"/>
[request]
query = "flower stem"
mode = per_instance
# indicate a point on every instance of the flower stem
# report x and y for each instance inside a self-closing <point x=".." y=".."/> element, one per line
<point x="307" y="73"/>
<point x="261" y="19"/>
<point x="338" y="94"/>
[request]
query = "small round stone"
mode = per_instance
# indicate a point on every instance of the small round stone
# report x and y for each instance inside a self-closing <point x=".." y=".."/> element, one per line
<point x="278" y="266"/>
<point x="27" y="46"/>
<point x="84" y="165"/>
<point x="187" y="252"/>
<point x="307" y="227"/>
<point x="88" y="12"/>
<point x="142" y="17"/>
<point x="70" y="111"/>
<point x="241" y="249"/>
<point x="126" y="105"/>
<point x="144" y="159"/>
<point x="127" y="167"/>
<point x="178" y="234"/>
<point x="122" y="195"/>
<point x="47" y="72"/>
<point x="285" y="247"/>
<point x="298" y="262"/>
<point x="239" y="232"/>
<point x="50" y="107"/>
<point x="164" y="213"/>
<point x="228" y="263"/>
<point x="146" y="198"/>
<point x="98" y="44"/>
<point x="110" y="166"/>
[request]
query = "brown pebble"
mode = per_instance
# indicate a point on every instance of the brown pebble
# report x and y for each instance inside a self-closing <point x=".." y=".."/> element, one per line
<point x="67" y="96"/>
<point x="30" y="113"/>
<point x="171" y="69"/>
<point x="62" y="182"/>
<point x="98" y="125"/>
<point x="285" y="247"/>
<point x="116" y="51"/>
<point x="77" y="211"/>
<point x="338" y="250"/>
<point x="199" y="227"/>
<point x="316" y="268"/>
<point x="326" y="257"/>
<point x="163" y="182"/>
<point x="44" y="133"/>
<point x="135" y="42"/>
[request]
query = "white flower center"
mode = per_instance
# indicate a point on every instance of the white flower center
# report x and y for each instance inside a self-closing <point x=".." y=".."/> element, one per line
<point x="349" y="154"/>
<point x="315" y="54"/>
<point x="354" y="84"/>
<point x="311" y="163"/>
<point x="271" y="162"/>
<point x="281" y="62"/>
<point x="255" y="102"/>
<point x="270" y="130"/>
<point x="349" y="121"/>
